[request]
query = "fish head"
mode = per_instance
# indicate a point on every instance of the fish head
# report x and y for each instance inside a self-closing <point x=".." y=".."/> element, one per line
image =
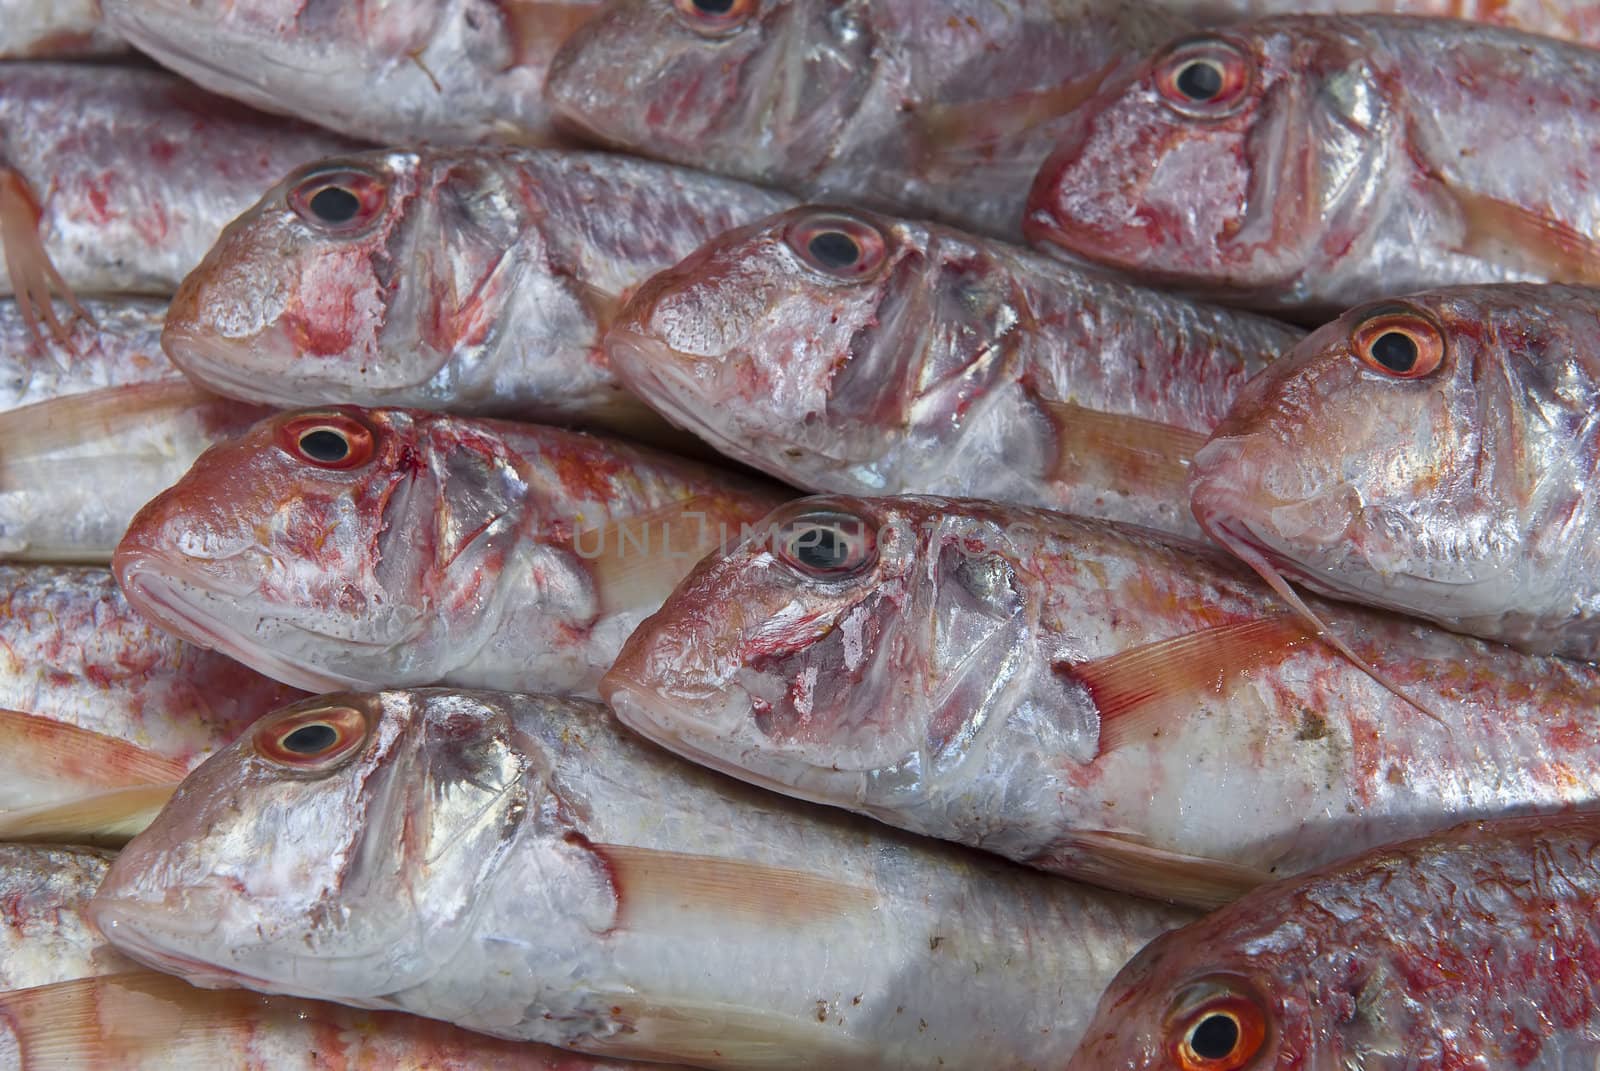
<point x="810" y="344"/>
<point x="1349" y="461"/>
<point x="336" y="849"/>
<point x="846" y="651"/>
<point x="1222" y="162"/>
<point x="338" y="284"/>
<point x="1187" y="1004"/>
<point x="753" y="88"/>
<point x="312" y="547"/>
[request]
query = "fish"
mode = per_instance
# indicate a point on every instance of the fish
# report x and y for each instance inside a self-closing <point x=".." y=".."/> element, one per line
<point x="521" y="865"/>
<point x="941" y="110"/>
<point x="1088" y="698"/>
<point x="45" y="935"/>
<point x="117" y="345"/>
<point x="74" y="470"/>
<point x="844" y="351"/>
<point x="476" y="281"/>
<point x="1430" y="454"/>
<point x="117" y="179"/>
<point x="392" y="73"/>
<point x="35" y="29"/>
<point x="147" y="1021"/>
<point x="74" y="653"/>
<point x="342" y="547"/>
<point x="1465" y="949"/>
<point x="1312" y="163"/>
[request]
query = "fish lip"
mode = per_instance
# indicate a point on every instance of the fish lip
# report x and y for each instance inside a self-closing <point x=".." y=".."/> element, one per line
<point x="147" y="587"/>
<point x="127" y="924"/>
<point x="197" y="355"/>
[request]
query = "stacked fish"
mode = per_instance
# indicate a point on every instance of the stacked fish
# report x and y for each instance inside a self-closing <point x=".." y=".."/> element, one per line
<point x="1232" y="549"/>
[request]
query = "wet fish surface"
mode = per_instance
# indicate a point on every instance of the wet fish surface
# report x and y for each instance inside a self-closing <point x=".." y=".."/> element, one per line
<point x="117" y="179"/>
<point x="521" y="865"/>
<point x="45" y="936"/>
<point x="848" y="352"/>
<point x="1432" y="454"/>
<point x="1468" y="949"/>
<point x="145" y="1021"/>
<point x="1318" y="162"/>
<point x="938" y="109"/>
<point x="1084" y="698"/>
<point x="72" y="650"/>
<point x="340" y="547"/>
<point x="440" y="71"/>
<point x="475" y="281"/>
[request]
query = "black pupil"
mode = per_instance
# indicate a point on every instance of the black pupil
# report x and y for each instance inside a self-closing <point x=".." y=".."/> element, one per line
<point x="324" y="445"/>
<point x="822" y="549"/>
<point x="1200" y="81"/>
<point x="310" y="739"/>
<point x="834" y="250"/>
<point x="713" y="7"/>
<point x="335" y="204"/>
<point x="1215" y="1037"/>
<point x="1396" y="351"/>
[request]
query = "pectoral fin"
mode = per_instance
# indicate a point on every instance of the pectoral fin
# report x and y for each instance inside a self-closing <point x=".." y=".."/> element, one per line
<point x="1130" y="863"/>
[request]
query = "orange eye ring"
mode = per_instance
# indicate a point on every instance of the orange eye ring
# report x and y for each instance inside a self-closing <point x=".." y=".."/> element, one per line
<point x="1205" y="78"/>
<point x="1399" y="342"/>
<point x="311" y="739"/>
<point x="838" y="245"/>
<point x="1223" y="1030"/>
<point x="339" y="200"/>
<point x="327" y="440"/>
<point x="715" y="18"/>
<point x="825" y="544"/>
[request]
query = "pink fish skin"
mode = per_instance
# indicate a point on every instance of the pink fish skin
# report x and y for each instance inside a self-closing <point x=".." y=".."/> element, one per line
<point x="923" y="359"/>
<point x="1084" y="698"/>
<point x="45" y="933"/>
<point x="1317" y="162"/>
<point x="117" y="179"/>
<point x="1477" y="947"/>
<point x="1453" y="483"/>
<point x="939" y="109"/>
<point x="73" y="650"/>
<point x="344" y="546"/>
<point x="446" y="72"/>
<point x="476" y="281"/>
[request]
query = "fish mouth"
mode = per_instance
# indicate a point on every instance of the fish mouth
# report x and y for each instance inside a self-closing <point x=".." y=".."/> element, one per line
<point x="144" y="931"/>
<point x="173" y="34"/>
<point x="148" y="583"/>
<point x="661" y="719"/>
<point x="208" y="361"/>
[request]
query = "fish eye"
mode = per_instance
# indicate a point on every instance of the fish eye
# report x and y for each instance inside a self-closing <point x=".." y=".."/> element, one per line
<point x="1205" y="78"/>
<point x="825" y="544"/>
<point x="338" y="200"/>
<point x="1399" y="342"/>
<point x="715" y="18"/>
<point x="1220" y="1026"/>
<point x="838" y="245"/>
<point x="312" y="739"/>
<point x="328" y="440"/>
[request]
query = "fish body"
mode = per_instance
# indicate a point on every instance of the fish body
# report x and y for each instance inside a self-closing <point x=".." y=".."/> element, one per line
<point x="939" y="110"/>
<point x="474" y="281"/>
<point x="1084" y="698"/>
<point x="39" y="28"/>
<point x="1454" y="482"/>
<point x="1318" y="162"/>
<point x="1466" y="949"/>
<point x="45" y="936"/>
<point x="145" y="1021"/>
<point x="522" y="866"/>
<point x="117" y="179"/>
<point x="440" y="71"/>
<point x="910" y="357"/>
<point x="346" y="546"/>
<point x="92" y="426"/>
<point x="73" y="650"/>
